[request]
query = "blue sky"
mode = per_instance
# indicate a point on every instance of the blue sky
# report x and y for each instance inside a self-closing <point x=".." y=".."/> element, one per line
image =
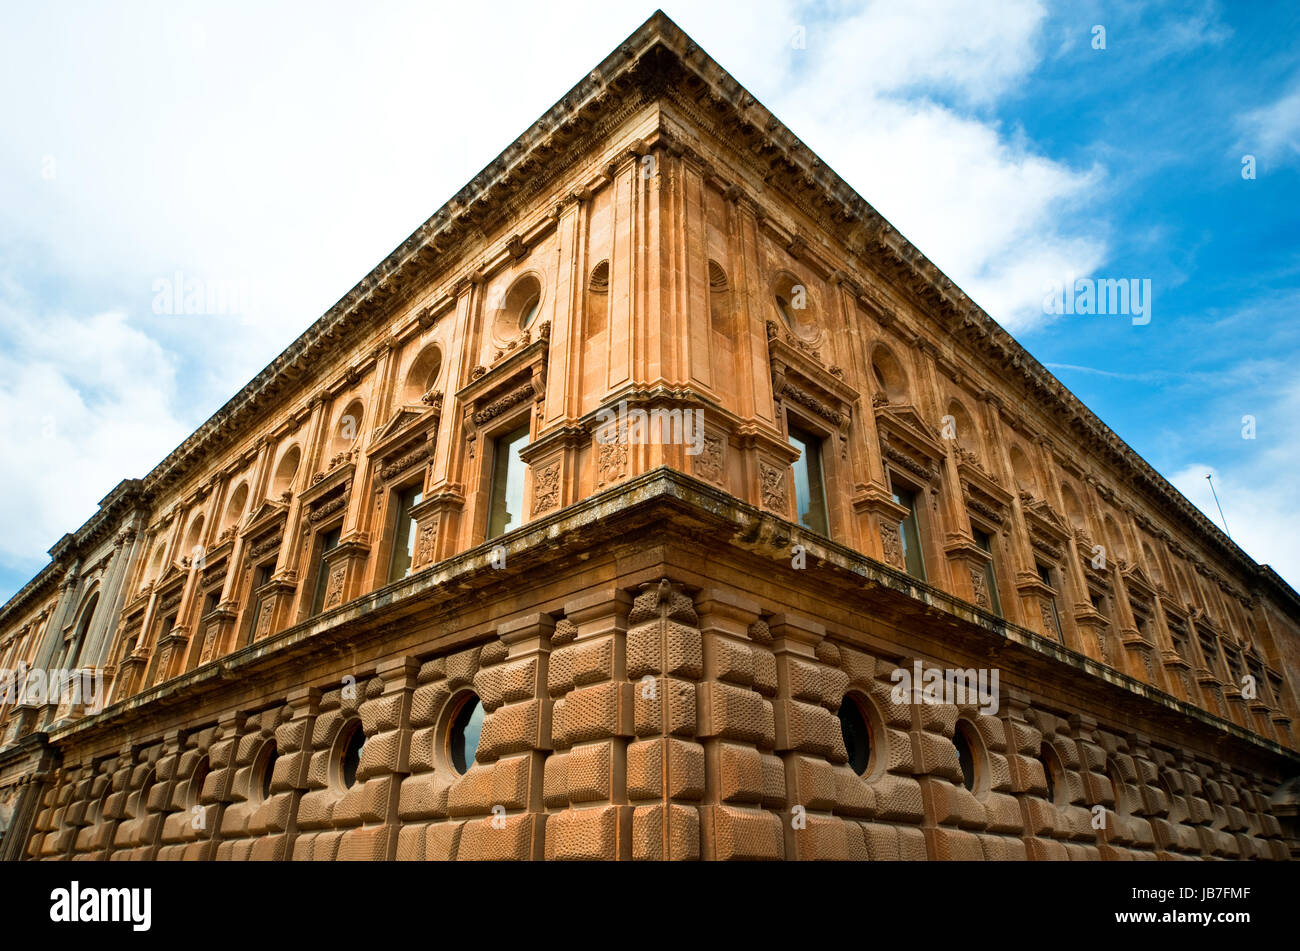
<point x="285" y="152"/>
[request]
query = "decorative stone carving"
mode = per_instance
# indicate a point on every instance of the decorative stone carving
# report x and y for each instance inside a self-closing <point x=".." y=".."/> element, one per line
<point x="892" y="544"/>
<point x="611" y="462"/>
<point x="790" y="391"/>
<point x="404" y="462"/>
<point x="503" y="403"/>
<point x="708" y="464"/>
<point x="1050" y="627"/>
<point x="264" y="619"/>
<point x="334" y="591"/>
<point x="980" y="586"/>
<point x="546" y="488"/>
<point x="424" y="544"/>
<point x="773" y="487"/>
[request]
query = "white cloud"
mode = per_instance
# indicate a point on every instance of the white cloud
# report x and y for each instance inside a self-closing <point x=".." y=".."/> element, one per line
<point x="82" y="401"/>
<point x="1256" y="487"/>
<point x="1272" y="132"/>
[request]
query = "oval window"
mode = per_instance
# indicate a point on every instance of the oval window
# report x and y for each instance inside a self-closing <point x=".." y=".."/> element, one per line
<point x="466" y="727"/>
<point x="857" y="735"/>
<point x="965" y="754"/>
<point x="351" y="756"/>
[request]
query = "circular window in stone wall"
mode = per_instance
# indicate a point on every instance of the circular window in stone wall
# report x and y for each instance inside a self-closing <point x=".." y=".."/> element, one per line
<point x="264" y="770"/>
<point x="856" y="730"/>
<point x="347" y="754"/>
<point x="464" y="732"/>
<point x="968" y="745"/>
<point x="1052" y="773"/>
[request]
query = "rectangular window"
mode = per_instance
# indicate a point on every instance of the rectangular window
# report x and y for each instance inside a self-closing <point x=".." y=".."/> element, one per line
<point x="910" y="534"/>
<point x="1045" y="576"/>
<point x="210" y="602"/>
<point x="328" y="541"/>
<point x="505" y="511"/>
<point x="809" y="488"/>
<point x="990" y="577"/>
<point x="399" y="566"/>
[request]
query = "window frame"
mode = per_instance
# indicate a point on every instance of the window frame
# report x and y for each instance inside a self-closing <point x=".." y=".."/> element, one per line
<point x="920" y="525"/>
<point x="393" y="526"/>
<point x="495" y="438"/>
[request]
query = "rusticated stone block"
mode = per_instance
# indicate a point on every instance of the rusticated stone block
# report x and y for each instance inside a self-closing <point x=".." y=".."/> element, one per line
<point x="730" y="661"/>
<point x="645" y="769"/>
<point x="368" y="843"/>
<point x="442" y="840"/>
<point x="665" y="831"/>
<point x="955" y="845"/>
<point x="422" y="796"/>
<point x="740" y="773"/>
<point x="471" y="795"/>
<point x="427" y="703"/>
<point x="591" y="833"/>
<point x="821" y="839"/>
<point x="410" y="842"/>
<point x="382" y="714"/>
<point x="513" y="728"/>
<point x="555" y="785"/>
<point x="805" y="727"/>
<point x="590" y="713"/>
<point x="812" y="782"/>
<point x="766" y="681"/>
<point x="774" y="788"/>
<point x="590" y="770"/>
<point x="738" y="833"/>
<point x="508" y="682"/>
<point x="499" y="838"/>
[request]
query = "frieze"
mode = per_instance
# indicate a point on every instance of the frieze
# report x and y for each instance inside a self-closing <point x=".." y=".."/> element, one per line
<point x="325" y="509"/>
<point x="503" y="403"/>
<point x="404" y="462"/>
<point x="811" y="402"/>
<point x="897" y="456"/>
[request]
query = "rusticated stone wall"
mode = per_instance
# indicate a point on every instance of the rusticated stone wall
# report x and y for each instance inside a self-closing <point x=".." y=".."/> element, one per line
<point x="654" y="720"/>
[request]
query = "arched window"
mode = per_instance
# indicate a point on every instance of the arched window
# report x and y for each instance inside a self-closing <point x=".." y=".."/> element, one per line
<point x="963" y="431"/>
<point x="794" y="304"/>
<point x="193" y="547"/>
<point x="347" y="427"/>
<point x="285" y="470"/>
<point x="597" y="301"/>
<point x="423" y="374"/>
<point x="888" y="374"/>
<point x="82" y="631"/>
<point x="1023" y="471"/>
<point x="519" y="308"/>
<point x="235" y="507"/>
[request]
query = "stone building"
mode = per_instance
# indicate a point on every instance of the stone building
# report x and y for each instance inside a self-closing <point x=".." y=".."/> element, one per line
<point x="602" y="519"/>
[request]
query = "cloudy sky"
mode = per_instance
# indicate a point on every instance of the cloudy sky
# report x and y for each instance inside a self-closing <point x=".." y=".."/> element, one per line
<point x="280" y="152"/>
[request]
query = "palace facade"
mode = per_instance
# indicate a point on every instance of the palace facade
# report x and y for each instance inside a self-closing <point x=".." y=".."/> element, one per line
<point x="400" y="599"/>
